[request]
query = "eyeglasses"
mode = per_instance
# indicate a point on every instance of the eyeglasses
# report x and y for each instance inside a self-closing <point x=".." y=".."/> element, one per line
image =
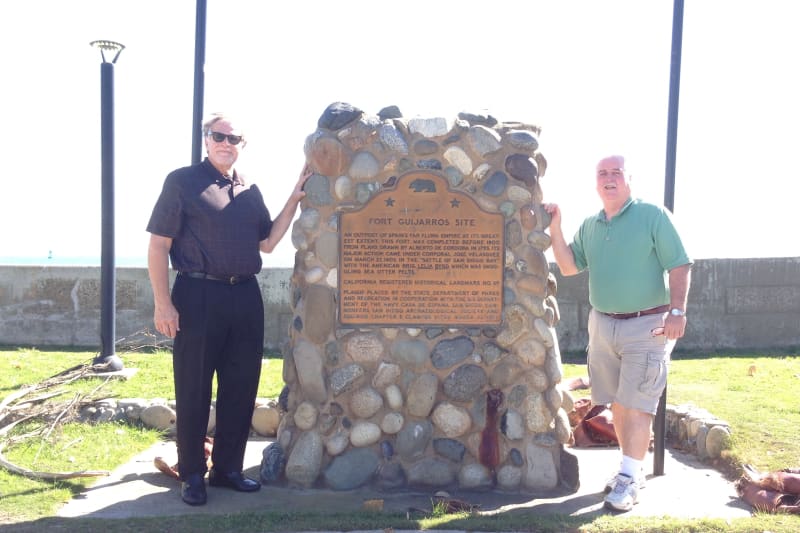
<point x="219" y="137"/>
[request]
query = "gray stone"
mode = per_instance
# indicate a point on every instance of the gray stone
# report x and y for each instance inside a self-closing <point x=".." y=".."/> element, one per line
<point x="320" y="313"/>
<point x="365" y="402"/>
<point x="389" y="112"/>
<point x="511" y="425"/>
<point x="413" y="439"/>
<point x="464" y="383"/>
<point x="338" y="115"/>
<point x="327" y="249"/>
<point x="410" y="353"/>
<point x="451" y="420"/>
<point x="365" y="348"/>
<point x="160" y="417"/>
<point x="474" y="476"/>
<point x="337" y="443"/>
<point x="516" y="457"/>
<point x="392" y="139"/>
<point x="429" y="164"/>
<point x="309" y="220"/>
<point x="343" y="379"/>
<point x="343" y="188"/>
<point x="454" y="177"/>
<point x="431" y="472"/>
<point x="523" y="140"/>
<point x="352" y="469"/>
<point x="541" y="472"/>
<point x="363" y="166"/>
<point x="509" y="477"/>
<point x="505" y="373"/>
<point x="700" y="442"/>
<point x="392" y="423"/>
<point x="305" y="460"/>
<point x="483" y="140"/>
<point x="317" y="188"/>
<point x="449" y="352"/>
<point x="390" y="476"/>
<point x="522" y="168"/>
<point x="273" y="461"/>
<point x="491" y="353"/>
<point x="428" y="127"/>
<point x="305" y="416"/>
<point x="717" y="440"/>
<point x="421" y="395"/>
<point x="496" y="184"/>
<point x="425" y="147"/>
<point x="450" y="448"/>
<point x="394" y="396"/>
<point x="364" y="433"/>
<point x="459" y="159"/>
<point x="386" y="375"/>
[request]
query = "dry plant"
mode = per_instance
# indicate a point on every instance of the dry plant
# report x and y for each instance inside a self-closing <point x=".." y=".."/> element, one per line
<point x="35" y="403"/>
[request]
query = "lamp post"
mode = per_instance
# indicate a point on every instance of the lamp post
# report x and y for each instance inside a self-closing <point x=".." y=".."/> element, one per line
<point x="199" y="80"/>
<point x="660" y="422"/>
<point x="107" y="355"/>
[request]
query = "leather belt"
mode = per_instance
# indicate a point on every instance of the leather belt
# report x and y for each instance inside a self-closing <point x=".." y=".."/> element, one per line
<point x="230" y="280"/>
<point x="653" y="311"/>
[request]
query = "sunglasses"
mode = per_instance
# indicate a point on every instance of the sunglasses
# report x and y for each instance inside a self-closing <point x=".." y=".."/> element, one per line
<point x="219" y="137"/>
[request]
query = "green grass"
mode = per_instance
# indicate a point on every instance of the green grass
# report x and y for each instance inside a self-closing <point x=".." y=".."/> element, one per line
<point x="763" y="411"/>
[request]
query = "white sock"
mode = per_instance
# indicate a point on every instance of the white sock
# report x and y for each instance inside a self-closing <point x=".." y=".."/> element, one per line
<point x="631" y="467"/>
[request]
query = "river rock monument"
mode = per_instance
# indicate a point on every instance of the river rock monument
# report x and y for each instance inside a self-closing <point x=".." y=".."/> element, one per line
<point x="422" y="352"/>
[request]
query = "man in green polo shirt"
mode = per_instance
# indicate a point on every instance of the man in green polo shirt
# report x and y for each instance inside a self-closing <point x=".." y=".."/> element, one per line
<point x="639" y="277"/>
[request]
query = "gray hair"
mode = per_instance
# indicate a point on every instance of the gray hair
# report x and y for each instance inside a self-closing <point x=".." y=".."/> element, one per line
<point x="213" y="118"/>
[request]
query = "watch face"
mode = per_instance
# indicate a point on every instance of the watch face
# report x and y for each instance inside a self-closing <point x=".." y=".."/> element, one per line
<point x="676" y="312"/>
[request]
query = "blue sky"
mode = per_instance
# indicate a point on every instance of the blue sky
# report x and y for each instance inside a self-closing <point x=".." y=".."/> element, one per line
<point x="593" y="74"/>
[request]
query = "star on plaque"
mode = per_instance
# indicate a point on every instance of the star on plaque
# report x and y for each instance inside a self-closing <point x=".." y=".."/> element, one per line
<point x="455" y="202"/>
<point x="390" y="202"/>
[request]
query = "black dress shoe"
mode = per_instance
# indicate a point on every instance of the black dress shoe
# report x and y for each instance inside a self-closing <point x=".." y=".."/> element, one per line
<point x="233" y="480"/>
<point x="193" y="490"/>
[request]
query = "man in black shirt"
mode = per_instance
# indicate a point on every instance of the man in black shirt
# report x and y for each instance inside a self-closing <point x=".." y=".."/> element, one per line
<point x="212" y="226"/>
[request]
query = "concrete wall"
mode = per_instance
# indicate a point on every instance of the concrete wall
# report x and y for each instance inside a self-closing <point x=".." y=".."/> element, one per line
<point x="733" y="304"/>
<point x="60" y="306"/>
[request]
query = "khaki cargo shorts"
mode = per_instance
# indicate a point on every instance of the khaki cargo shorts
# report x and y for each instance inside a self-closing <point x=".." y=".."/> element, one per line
<point x="628" y="363"/>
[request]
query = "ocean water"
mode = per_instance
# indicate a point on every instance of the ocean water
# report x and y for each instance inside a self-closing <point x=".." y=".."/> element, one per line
<point x="71" y="261"/>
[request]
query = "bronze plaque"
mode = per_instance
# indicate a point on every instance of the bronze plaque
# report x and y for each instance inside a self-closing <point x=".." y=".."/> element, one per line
<point x="421" y="254"/>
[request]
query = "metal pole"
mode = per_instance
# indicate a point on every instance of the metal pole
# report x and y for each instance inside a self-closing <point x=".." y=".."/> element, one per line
<point x="660" y="423"/>
<point x="107" y="272"/>
<point x="199" y="80"/>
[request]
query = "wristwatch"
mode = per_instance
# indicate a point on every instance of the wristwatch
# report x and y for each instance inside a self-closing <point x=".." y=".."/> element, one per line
<point x="677" y="312"/>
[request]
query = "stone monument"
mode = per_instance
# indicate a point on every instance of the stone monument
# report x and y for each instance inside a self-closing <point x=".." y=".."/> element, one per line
<point x="422" y="350"/>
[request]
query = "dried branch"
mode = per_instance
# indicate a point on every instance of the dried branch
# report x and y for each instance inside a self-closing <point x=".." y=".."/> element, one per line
<point x="47" y="476"/>
<point x="16" y="408"/>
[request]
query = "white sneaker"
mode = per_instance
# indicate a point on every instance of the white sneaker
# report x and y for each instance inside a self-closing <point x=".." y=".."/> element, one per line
<point x="624" y="495"/>
<point x="641" y="481"/>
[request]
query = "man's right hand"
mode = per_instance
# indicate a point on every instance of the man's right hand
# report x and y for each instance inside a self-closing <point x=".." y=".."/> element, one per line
<point x="166" y="320"/>
<point x="555" y="215"/>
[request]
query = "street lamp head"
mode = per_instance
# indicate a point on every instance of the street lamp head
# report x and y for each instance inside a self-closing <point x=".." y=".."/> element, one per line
<point x="109" y="46"/>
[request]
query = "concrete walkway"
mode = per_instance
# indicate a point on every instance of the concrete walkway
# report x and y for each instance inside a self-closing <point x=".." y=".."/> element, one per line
<point x="689" y="489"/>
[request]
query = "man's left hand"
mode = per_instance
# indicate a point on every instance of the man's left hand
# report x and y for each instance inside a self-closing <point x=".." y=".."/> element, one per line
<point x="674" y="327"/>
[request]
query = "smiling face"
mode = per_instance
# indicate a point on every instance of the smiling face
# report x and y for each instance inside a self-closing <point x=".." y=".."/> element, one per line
<point x="223" y="154"/>
<point x="613" y="184"/>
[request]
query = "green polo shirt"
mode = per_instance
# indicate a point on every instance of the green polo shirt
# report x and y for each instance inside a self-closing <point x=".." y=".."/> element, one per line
<point x="628" y="257"/>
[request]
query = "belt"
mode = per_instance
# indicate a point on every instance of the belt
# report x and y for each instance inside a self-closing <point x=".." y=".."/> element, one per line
<point x="230" y="280"/>
<point x="654" y="311"/>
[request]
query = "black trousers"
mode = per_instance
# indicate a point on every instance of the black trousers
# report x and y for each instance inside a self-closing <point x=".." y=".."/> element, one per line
<point x="222" y="332"/>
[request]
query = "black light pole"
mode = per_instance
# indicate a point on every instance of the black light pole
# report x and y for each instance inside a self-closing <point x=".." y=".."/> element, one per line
<point x="199" y="80"/>
<point x="660" y="424"/>
<point x="107" y="355"/>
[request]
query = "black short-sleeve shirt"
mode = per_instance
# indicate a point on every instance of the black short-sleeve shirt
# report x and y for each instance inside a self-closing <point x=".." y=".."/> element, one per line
<point x="216" y="224"/>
